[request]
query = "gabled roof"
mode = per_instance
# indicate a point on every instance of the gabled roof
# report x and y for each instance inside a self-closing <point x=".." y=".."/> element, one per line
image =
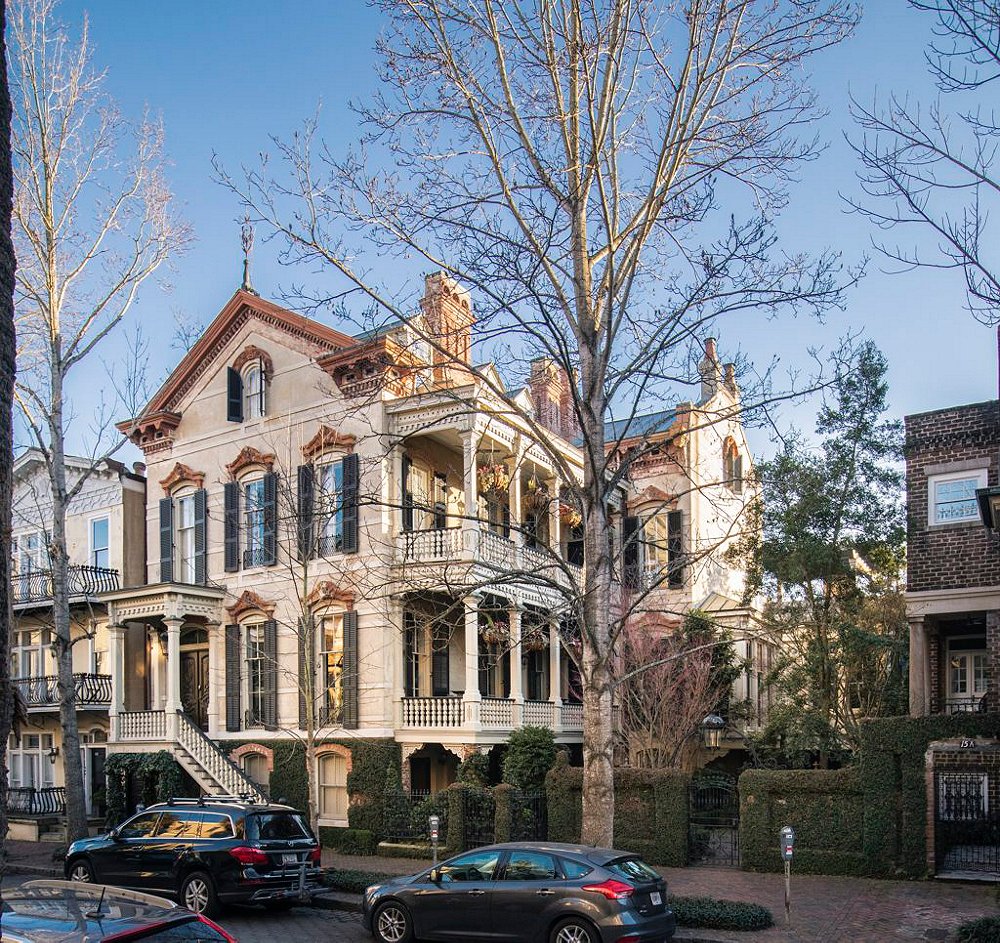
<point x="638" y="426"/>
<point x="241" y="308"/>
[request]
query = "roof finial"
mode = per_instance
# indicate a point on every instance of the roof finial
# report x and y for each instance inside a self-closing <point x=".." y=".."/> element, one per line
<point x="246" y="236"/>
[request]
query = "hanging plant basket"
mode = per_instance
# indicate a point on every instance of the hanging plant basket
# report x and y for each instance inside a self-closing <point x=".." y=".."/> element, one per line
<point x="495" y="633"/>
<point x="534" y="640"/>
<point x="536" y="496"/>
<point x="569" y="515"/>
<point x="494" y="478"/>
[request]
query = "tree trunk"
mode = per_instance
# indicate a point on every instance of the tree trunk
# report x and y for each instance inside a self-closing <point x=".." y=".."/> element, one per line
<point x="7" y="367"/>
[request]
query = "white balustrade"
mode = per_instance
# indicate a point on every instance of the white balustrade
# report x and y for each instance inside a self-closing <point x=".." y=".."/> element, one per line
<point x="496" y="712"/>
<point x="422" y="546"/>
<point x="432" y="712"/>
<point x="572" y="717"/>
<point x="539" y="713"/>
<point x="213" y="761"/>
<point x="142" y="725"/>
<point x="495" y="549"/>
<point x="535" y="559"/>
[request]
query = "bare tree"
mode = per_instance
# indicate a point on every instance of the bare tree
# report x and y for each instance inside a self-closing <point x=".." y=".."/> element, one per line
<point x="92" y="222"/>
<point x="933" y="169"/>
<point x="603" y="175"/>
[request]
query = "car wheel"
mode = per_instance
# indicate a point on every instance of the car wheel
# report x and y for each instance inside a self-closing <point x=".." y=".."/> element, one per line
<point x="81" y="871"/>
<point x="573" y="930"/>
<point x="198" y="894"/>
<point x="391" y="924"/>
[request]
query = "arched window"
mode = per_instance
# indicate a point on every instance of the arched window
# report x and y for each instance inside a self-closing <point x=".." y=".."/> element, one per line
<point x="255" y="766"/>
<point x="332" y="778"/>
<point x="254" y="390"/>
<point x="732" y="466"/>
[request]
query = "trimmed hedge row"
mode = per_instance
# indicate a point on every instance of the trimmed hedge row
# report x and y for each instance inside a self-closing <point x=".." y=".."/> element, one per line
<point x="651" y="810"/>
<point x="348" y="841"/>
<point x="983" y="930"/>
<point x="826" y="808"/>
<point x="157" y="777"/>
<point x="711" y="914"/>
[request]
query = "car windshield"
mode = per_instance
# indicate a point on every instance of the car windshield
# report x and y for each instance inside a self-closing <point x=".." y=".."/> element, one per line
<point x="635" y="869"/>
<point x="277" y="826"/>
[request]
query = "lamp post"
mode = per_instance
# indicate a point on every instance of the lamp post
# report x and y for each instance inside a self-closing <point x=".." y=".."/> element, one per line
<point x="989" y="506"/>
<point x="711" y="729"/>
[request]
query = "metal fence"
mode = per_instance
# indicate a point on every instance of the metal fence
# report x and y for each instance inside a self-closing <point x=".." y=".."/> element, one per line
<point x="714" y="822"/>
<point x="405" y="815"/>
<point x="478" y="817"/>
<point x="966" y="829"/>
<point x="26" y="800"/>
<point x="529" y="816"/>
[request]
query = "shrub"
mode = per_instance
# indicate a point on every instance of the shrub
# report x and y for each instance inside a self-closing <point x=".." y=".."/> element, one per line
<point x="353" y="882"/>
<point x="531" y="753"/>
<point x="711" y="914"/>
<point x="474" y="770"/>
<point x="983" y="930"/>
<point x="422" y="811"/>
<point x="348" y="841"/>
<point x="158" y="775"/>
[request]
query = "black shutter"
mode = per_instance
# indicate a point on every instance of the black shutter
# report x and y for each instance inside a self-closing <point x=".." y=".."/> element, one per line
<point x="440" y="501"/>
<point x="675" y="548"/>
<point x="349" y="484"/>
<point x="270" y="519"/>
<point x="630" y="552"/>
<point x="350" y="669"/>
<point x="231" y="523"/>
<point x="234" y="395"/>
<point x="440" y="668"/>
<point x="270" y="718"/>
<point x="411" y="686"/>
<point x="166" y="540"/>
<point x="307" y="639"/>
<point x="506" y="657"/>
<point x="407" y="498"/>
<point x="200" y="537"/>
<point x="484" y="669"/>
<point x="261" y="389"/>
<point x="307" y="498"/>
<point x="233" y="659"/>
<point x="506" y="520"/>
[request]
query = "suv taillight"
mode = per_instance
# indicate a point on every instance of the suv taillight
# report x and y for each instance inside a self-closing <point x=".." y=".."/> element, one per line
<point x="315" y="856"/>
<point x="245" y="855"/>
<point x="611" y="889"/>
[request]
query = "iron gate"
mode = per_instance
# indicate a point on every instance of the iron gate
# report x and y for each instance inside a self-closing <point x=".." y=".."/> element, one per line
<point x="529" y="820"/>
<point x="714" y="822"/>
<point x="966" y="828"/>
<point x="478" y="815"/>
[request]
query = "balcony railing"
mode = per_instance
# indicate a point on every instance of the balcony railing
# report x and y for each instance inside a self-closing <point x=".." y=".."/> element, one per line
<point x="496" y="712"/>
<point x="27" y="800"/>
<point x="432" y="712"/>
<point x="965" y="705"/>
<point x="539" y="713"/>
<point x="572" y="717"/>
<point x="36" y="585"/>
<point x="141" y="725"/>
<point x="421" y="546"/>
<point x="43" y="691"/>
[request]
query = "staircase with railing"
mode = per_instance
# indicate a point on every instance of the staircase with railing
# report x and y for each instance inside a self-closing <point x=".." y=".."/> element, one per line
<point x="202" y="758"/>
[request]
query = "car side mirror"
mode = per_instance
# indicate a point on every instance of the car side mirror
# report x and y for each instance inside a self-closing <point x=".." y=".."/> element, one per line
<point x="435" y="876"/>
<point x="113" y="834"/>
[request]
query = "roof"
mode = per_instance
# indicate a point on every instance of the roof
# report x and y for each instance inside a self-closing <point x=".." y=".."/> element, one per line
<point x="591" y="852"/>
<point x="636" y="426"/>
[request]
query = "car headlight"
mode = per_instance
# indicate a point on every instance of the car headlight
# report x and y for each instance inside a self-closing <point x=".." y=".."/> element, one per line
<point x="372" y="891"/>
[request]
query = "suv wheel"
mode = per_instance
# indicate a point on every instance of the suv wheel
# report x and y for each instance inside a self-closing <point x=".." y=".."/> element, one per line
<point x="573" y="930"/>
<point x="198" y="894"/>
<point x="391" y="924"/>
<point x="81" y="871"/>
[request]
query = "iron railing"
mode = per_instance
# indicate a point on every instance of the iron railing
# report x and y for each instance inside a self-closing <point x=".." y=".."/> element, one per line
<point x="37" y="585"/>
<point x="405" y="816"/>
<point x="966" y="829"/>
<point x="44" y="691"/>
<point x="714" y="821"/>
<point x="27" y="800"/>
<point x="965" y="705"/>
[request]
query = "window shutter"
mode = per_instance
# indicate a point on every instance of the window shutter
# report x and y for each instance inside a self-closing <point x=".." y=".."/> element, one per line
<point x="270" y="519"/>
<point x="440" y="669"/>
<point x="675" y="548"/>
<point x="231" y="523"/>
<point x="307" y="638"/>
<point x="349" y="467"/>
<point x="166" y="540"/>
<point x="407" y="498"/>
<point x="738" y="475"/>
<point x="200" y="537"/>
<point x="410" y="629"/>
<point x="307" y="498"/>
<point x="234" y="395"/>
<point x="506" y="520"/>
<point x="270" y="718"/>
<point x="630" y="552"/>
<point x="233" y="658"/>
<point x="506" y="656"/>
<point x="350" y="675"/>
<point x="441" y="501"/>
<point x="261" y="389"/>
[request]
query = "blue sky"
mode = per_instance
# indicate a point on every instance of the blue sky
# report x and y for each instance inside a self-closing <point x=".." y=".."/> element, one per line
<point x="226" y="75"/>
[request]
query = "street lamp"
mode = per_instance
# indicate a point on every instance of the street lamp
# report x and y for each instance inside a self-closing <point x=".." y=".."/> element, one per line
<point x="989" y="506"/>
<point x="711" y="729"/>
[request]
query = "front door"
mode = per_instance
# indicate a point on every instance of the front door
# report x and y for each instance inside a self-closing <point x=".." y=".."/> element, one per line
<point x="194" y="685"/>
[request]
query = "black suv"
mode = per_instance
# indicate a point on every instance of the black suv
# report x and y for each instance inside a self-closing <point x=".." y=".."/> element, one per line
<point x="204" y="852"/>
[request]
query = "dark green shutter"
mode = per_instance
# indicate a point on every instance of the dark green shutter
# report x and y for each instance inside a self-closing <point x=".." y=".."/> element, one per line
<point x="350" y="675"/>
<point x="307" y="498"/>
<point x="166" y="540"/>
<point x="231" y="525"/>
<point x="350" y="486"/>
<point x="440" y="665"/>
<point x="270" y="519"/>
<point x="675" y="548"/>
<point x="233" y="659"/>
<point x="307" y="638"/>
<point x="270" y="718"/>
<point x="234" y="395"/>
<point x="406" y="497"/>
<point x="630" y="552"/>
<point x="200" y="537"/>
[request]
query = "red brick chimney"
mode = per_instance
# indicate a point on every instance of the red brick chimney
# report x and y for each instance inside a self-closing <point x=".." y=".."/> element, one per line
<point x="550" y="389"/>
<point x="448" y="320"/>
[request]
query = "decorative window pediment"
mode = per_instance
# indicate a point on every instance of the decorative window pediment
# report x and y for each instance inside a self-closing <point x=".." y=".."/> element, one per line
<point x="253" y="354"/>
<point x="327" y="591"/>
<point x="328" y="438"/>
<point x="249" y="601"/>
<point x="250" y="457"/>
<point x="182" y="474"/>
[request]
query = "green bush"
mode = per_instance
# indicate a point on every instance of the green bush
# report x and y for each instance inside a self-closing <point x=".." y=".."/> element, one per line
<point x="375" y="768"/>
<point x="348" y="841"/>
<point x="422" y="811"/>
<point x="474" y="770"/>
<point x="531" y="753"/>
<point x="353" y="882"/>
<point x="158" y="775"/>
<point x="711" y="914"/>
<point x="983" y="930"/>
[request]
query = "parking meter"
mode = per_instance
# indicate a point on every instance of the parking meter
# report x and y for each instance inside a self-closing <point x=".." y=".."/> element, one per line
<point x="434" y="830"/>
<point x="787" y="837"/>
<point x="787" y="842"/>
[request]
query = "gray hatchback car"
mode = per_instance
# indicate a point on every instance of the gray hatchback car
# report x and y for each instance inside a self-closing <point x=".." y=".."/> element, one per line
<point x="525" y="892"/>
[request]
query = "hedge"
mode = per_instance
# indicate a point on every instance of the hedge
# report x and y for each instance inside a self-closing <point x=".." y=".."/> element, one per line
<point x="159" y="777"/>
<point x="348" y="841"/>
<point x="826" y="808"/>
<point x="982" y="930"/>
<point x="353" y="882"/>
<point x="651" y="810"/>
<point x="711" y="914"/>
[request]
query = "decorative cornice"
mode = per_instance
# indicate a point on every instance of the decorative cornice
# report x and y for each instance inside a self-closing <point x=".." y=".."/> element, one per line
<point x="652" y="493"/>
<point x="372" y="366"/>
<point x="249" y="601"/>
<point x="326" y="591"/>
<point x="182" y="473"/>
<point x="249" y="457"/>
<point x="328" y="438"/>
<point x="251" y="353"/>
<point x="153" y="431"/>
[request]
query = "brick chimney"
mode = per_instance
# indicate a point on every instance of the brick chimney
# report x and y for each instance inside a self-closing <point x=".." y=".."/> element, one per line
<point x="550" y="389"/>
<point x="710" y="371"/>
<point x="448" y="319"/>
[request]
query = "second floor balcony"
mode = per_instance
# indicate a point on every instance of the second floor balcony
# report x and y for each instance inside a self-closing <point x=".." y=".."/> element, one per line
<point x="34" y="587"/>
<point x="42" y="693"/>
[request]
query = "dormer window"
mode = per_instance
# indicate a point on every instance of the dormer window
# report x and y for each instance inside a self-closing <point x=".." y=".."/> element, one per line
<point x="246" y="386"/>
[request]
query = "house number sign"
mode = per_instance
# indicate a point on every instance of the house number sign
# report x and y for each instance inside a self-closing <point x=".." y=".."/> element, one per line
<point x="968" y="743"/>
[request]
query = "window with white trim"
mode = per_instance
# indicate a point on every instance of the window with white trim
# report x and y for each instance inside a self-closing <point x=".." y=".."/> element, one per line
<point x="331" y="637"/>
<point x="27" y="653"/>
<point x="28" y="762"/>
<point x="253" y="523"/>
<point x="656" y="545"/>
<point x="254" y="391"/>
<point x="330" y="506"/>
<point x="256" y="671"/>
<point x="951" y="498"/>
<point x="255" y="768"/>
<point x="184" y="547"/>
<point x="332" y="769"/>
<point x="100" y="550"/>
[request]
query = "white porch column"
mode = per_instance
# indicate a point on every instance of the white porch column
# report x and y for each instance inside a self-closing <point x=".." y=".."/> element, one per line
<point x="151" y="637"/>
<point x="216" y="678"/>
<point x="116" y="657"/>
<point x="470" y="525"/>
<point x="472" y="698"/>
<point x="555" y="673"/>
<point x="173" y="701"/>
<point x="514" y="496"/>
<point x="919" y="669"/>
<point x="516" y="672"/>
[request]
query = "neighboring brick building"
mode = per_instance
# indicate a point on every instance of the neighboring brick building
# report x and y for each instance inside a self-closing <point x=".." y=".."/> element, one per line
<point x="953" y="561"/>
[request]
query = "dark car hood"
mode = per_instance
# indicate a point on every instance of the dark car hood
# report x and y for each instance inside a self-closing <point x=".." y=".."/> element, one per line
<point x="88" y="844"/>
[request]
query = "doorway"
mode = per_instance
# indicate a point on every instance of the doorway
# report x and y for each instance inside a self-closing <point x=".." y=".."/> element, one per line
<point x="194" y="675"/>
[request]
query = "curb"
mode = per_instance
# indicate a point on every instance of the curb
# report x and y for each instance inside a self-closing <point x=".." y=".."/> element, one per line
<point x="37" y="870"/>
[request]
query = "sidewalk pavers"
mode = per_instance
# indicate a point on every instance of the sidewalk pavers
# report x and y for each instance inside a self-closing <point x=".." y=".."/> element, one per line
<point x="29" y="857"/>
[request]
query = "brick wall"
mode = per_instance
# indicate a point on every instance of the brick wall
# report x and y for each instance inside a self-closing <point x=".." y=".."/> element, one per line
<point x="952" y="556"/>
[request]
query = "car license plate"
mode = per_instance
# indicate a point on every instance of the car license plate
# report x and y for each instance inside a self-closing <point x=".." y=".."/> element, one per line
<point x="655" y="899"/>
<point x="294" y="859"/>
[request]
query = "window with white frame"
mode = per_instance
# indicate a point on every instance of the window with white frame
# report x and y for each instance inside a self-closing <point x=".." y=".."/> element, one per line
<point x="30" y="559"/>
<point x="332" y="769"/>
<point x="254" y="391"/>
<point x="253" y="522"/>
<point x="255" y="768"/>
<point x="967" y="668"/>
<point x="256" y="672"/>
<point x="329" y="506"/>
<point x="28" y="762"/>
<point x="332" y="662"/>
<point x="184" y="545"/>
<point x="27" y="653"/>
<point x="656" y="544"/>
<point x="951" y="498"/>
<point x="100" y="550"/>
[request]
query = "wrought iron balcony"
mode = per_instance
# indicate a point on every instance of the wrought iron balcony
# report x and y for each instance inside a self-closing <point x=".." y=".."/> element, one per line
<point x="36" y="585"/>
<point x="26" y="800"/>
<point x="91" y="690"/>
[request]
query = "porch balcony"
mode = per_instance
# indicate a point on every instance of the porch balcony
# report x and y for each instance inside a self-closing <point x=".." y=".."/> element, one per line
<point x="495" y="714"/>
<point x="85" y="582"/>
<point x="42" y="693"/>
<point x="28" y="800"/>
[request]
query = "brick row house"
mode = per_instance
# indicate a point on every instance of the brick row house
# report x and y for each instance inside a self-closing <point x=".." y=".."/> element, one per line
<point x="356" y="534"/>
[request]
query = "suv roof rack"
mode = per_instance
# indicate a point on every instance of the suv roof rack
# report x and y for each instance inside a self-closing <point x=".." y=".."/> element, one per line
<point x="245" y="798"/>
